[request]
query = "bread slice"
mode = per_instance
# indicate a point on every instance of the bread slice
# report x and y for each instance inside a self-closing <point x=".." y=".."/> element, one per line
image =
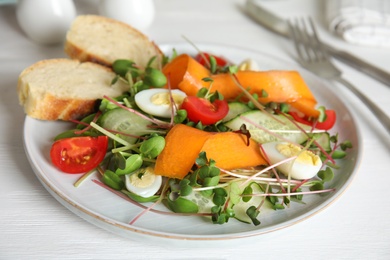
<point x="64" y="89"/>
<point x="104" y="40"/>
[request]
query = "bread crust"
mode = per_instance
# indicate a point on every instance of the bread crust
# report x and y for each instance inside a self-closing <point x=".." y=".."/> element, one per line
<point x="55" y="108"/>
<point x="53" y="103"/>
<point x="87" y="46"/>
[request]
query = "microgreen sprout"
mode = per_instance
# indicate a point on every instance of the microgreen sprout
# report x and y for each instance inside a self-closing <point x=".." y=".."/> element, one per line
<point x="206" y="190"/>
<point x="322" y="117"/>
<point x="113" y="180"/>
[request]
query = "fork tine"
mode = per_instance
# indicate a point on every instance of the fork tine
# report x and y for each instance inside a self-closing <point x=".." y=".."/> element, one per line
<point x="302" y="40"/>
<point x="323" y="66"/>
<point x="322" y="53"/>
<point x="295" y="34"/>
<point x="305" y="36"/>
<point x="310" y="44"/>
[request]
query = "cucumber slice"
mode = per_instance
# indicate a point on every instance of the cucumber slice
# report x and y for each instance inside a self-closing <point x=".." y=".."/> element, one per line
<point x="241" y="207"/>
<point x="195" y="202"/>
<point x="323" y="139"/>
<point x="282" y="126"/>
<point x="124" y="121"/>
<point x="235" y="109"/>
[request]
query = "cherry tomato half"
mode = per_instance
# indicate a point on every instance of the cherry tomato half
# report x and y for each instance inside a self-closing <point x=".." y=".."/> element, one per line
<point x="200" y="109"/>
<point x="326" y="125"/>
<point x="200" y="57"/>
<point x="78" y="154"/>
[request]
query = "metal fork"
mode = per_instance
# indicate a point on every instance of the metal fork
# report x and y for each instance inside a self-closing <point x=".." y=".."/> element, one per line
<point x="313" y="57"/>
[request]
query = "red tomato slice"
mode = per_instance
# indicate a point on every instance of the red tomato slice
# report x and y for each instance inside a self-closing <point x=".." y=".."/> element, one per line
<point x="326" y="125"/>
<point x="200" y="57"/>
<point x="200" y="109"/>
<point x="78" y="154"/>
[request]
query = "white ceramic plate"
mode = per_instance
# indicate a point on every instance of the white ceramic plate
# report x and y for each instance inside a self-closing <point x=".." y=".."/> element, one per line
<point x="108" y="211"/>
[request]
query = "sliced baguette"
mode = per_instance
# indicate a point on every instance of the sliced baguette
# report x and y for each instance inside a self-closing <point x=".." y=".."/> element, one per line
<point x="104" y="40"/>
<point x="64" y="89"/>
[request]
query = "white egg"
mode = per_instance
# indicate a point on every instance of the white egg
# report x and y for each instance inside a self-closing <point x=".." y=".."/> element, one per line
<point x="137" y="13"/>
<point x="157" y="102"/>
<point x="249" y="64"/>
<point x="145" y="183"/>
<point x="45" y="21"/>
<point x="305" y="166"/>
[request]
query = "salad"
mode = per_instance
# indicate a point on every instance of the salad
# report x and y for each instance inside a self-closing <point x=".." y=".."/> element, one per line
<point x="206" y="137"/>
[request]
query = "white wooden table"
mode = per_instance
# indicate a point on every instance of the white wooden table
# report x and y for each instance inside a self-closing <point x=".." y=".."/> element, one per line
<point x="33" y="225"/>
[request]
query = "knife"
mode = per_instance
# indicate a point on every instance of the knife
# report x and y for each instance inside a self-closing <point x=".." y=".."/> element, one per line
<point x="280" y="26"/>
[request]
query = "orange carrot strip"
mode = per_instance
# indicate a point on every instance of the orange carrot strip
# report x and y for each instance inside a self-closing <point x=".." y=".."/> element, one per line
<point x="184" y="143"/>
<point x="306" y="106"/>
<point x="280" y="86"/>
<point x="182" y="146"/>
<point x="186" y="74"/>
<point x="230" y="151"/>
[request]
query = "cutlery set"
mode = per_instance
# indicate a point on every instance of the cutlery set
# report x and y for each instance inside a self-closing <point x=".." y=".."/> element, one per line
<point x="314" y="54"/>
<point x="280" y="26"/>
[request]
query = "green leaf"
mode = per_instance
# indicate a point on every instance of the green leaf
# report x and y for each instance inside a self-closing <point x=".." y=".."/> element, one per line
<point x="247" y="191"/>
<point x="233" y="69"/>
<point x="115" y="79"/>
<point x="206" y="193"/>
<point x="252" y="213"/>
<point x="221" y="219"/>
<point x="326" y="175"/>
<point x="338" y="154"/>
<point x="120" y="160"/>
<point x="151" y="61"/>
<point x="235" y="193"/>
<point x="286" y="200"/>
<point x="154" y="77"/>
<point x="230" y="212"/>
<point x="185" y="188"/>
<point x="345" y="145"/>
<point x="199" y="126"/>
<point x="112" y="180"/>
<point x="203" y="91"/>
<point x="317" y="186"/>
<point x="121" y="67"/>
<point x="334" y="138"/>
<point x="211" y="181"/>
<point x="219" y="216"/>
<point x="133" y="163"/>
<point x="116" y="161"/>
<point x="182" y="205"/>
<point x="106" y="105"/>
<point x="297" y="197"/>
<point x="322" y="117"/>
<point x="203" y="172"/>
<point x="152" y="147"/>
<point x="219" y="198"/>
<point x="214" y="171"/>
<point x="213" y="64"/>
<point x="140" y="199"/>
<point x="264" y="93"/>
<point x="278" y="206"/>
<point x="71" y="133"/>
<point x="180" y="116"/>
<point x="202" y="159"/>
<point x="250" y="103"/>
<point x="86" y="120"/>
<point x="284" y="108"/>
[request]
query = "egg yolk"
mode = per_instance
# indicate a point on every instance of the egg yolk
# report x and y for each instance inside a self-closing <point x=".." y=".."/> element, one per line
<point x="145" y="180"/>
<point x="305" y="157"/>
<point x="164" y="99"/>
